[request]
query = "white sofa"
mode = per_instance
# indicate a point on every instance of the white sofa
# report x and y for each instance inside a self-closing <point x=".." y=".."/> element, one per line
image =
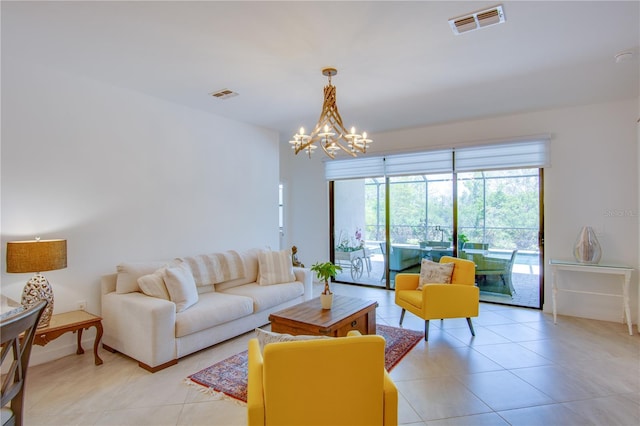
<point x="149" y="330"/>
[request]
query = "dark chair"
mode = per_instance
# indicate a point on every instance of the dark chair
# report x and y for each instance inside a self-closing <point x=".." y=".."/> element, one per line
<point x="16" y="335"/>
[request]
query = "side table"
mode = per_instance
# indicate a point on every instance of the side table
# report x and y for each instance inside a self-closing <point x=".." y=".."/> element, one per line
<point x="75" y="321"/>
<point x="622" y="270"/>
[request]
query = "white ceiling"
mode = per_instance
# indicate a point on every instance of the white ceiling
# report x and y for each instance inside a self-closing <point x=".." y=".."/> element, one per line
<point x="399" y="64"/>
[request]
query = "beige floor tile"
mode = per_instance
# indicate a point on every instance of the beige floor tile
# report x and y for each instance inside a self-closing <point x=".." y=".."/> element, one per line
<point x="440" y="397"/>
<point x="213" y="413"/>
<point x="462" y="360"/>
<point x="560" y="383"/>
<point x="502" y="390"/>
<point x="612" y="410"/>
<point x="517" y="332"/>
<point x="555" y="414"/>
<point x="486" y="419"/>
<point x="152" y="416"/>
<point x="484" y="336"/>
<point x="512" y="355"/>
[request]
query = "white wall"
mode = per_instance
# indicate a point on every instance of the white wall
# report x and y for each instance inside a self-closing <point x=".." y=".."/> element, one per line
<point x="593" y="177"/>
<point x="124" y="177"/>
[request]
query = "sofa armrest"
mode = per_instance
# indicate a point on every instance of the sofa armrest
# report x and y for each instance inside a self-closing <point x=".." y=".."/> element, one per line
<point x="407" y="281"/>
<point x="140" y="326"/>
<point x="305" y="276"/>
<point x="255" y="392"/>
<point x="108" y="283"/>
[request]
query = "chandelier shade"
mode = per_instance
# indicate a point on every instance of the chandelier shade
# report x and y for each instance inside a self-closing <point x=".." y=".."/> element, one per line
<point x="330" y="133"/>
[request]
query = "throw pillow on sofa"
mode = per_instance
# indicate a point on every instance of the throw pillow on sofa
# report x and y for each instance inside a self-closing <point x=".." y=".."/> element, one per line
<point x="181" y="286"/>
<point x="128" y="274"/>
<point x="153" y="285"/>
<point x="436" y="273"/>
<point x="275" y="267"/>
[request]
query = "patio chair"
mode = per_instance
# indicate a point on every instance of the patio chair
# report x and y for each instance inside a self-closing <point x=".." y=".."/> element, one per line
<point x="503" y="268"/>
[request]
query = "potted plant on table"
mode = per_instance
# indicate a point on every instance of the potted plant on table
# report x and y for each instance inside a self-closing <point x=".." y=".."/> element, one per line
<point x="325" y="271"/>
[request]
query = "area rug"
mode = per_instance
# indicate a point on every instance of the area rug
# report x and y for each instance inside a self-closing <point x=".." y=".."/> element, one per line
<point x="228" y="378"/>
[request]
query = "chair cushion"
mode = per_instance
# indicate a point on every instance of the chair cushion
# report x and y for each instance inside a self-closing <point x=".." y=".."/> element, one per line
<point x="436" y="273"/>
<point x="412" y="297"/>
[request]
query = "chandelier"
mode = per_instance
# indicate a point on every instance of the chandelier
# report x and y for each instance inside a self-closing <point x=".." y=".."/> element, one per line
<point x="329" y="132"/>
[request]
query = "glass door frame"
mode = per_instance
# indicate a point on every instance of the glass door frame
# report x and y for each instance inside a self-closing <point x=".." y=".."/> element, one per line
<point x="387" y="231"/>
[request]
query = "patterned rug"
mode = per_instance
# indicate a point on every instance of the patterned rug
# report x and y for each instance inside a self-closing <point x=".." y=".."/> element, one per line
<point x="228" y="378"/>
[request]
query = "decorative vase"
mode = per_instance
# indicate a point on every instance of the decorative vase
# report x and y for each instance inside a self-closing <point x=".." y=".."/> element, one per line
<point x="326" y="300"/>
<point x="587" y="248"/>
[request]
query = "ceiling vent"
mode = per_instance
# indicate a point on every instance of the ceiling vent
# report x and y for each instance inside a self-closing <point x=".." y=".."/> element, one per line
<point x="224" y="94"/>
<point x="477" y="20"/>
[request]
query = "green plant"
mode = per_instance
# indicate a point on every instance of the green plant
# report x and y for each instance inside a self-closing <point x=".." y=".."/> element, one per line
<point x="325" y="271"/>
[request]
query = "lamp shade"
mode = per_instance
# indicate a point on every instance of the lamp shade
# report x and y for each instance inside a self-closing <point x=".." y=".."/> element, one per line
<point x="36" y="255"/>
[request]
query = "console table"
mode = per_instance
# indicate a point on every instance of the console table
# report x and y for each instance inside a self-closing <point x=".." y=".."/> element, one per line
<point x="622" y="270"/>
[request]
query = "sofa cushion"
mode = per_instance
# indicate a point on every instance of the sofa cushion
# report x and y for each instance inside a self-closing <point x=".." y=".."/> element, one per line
<point x="128" y="274"/>
<point x="208" y="269"/>
<point x="153" y="285"/>
<point x="181" y="286"/>
<point x="212" y="309"/>
<point x="250" y="258"/>
<point x="265" y="297"/>
<point x="275" y="267"/>
<point x="436" y="273"/>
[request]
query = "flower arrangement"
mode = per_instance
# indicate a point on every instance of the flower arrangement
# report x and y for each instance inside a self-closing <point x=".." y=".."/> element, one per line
<point x="350" y="243"/>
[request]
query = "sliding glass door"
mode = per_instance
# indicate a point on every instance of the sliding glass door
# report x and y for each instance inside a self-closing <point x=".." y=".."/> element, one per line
<point x="358" y="224"/>
<point x="421" y="221"/>
<point x="496" y="216"/>
<point x="499" y="225"/>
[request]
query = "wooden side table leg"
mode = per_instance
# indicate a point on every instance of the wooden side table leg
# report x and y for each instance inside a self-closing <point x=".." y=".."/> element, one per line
<point x="97" y="343"/>
<point x="80" y="351"/>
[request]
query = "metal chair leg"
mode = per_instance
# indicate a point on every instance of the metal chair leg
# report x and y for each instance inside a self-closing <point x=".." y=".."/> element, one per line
<point x="402" y="316"/>
<point x="473" y="333"/>
<point x="426" y="330"/>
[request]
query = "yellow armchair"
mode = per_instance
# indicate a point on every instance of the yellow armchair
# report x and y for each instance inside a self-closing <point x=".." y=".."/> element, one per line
<point x="338" y="381"/>
<point x="460" y="299"/>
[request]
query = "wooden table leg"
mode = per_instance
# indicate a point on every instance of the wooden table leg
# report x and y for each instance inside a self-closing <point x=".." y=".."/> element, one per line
<point x="80" y="351"/>
<point x="97" y="343"/>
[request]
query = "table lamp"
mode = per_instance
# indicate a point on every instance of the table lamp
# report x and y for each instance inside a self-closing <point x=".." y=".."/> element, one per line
<point x="37" y="256"/>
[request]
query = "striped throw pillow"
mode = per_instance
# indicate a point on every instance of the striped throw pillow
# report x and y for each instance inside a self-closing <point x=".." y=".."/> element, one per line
<point x="275" y="267"/>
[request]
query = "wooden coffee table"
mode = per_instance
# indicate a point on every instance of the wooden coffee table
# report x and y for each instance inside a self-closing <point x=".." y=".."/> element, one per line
<point x="346" y="314"/>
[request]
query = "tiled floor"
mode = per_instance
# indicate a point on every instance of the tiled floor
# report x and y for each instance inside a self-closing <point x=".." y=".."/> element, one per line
<point x="520" y="369"/>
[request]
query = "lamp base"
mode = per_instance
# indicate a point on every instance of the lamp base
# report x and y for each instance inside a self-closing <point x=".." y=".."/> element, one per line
<point x="36" y="289"/>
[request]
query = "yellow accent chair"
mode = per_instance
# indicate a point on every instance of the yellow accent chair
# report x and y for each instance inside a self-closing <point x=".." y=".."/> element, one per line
<point x="460" y="299"/>
<point x="337" y="381"/>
